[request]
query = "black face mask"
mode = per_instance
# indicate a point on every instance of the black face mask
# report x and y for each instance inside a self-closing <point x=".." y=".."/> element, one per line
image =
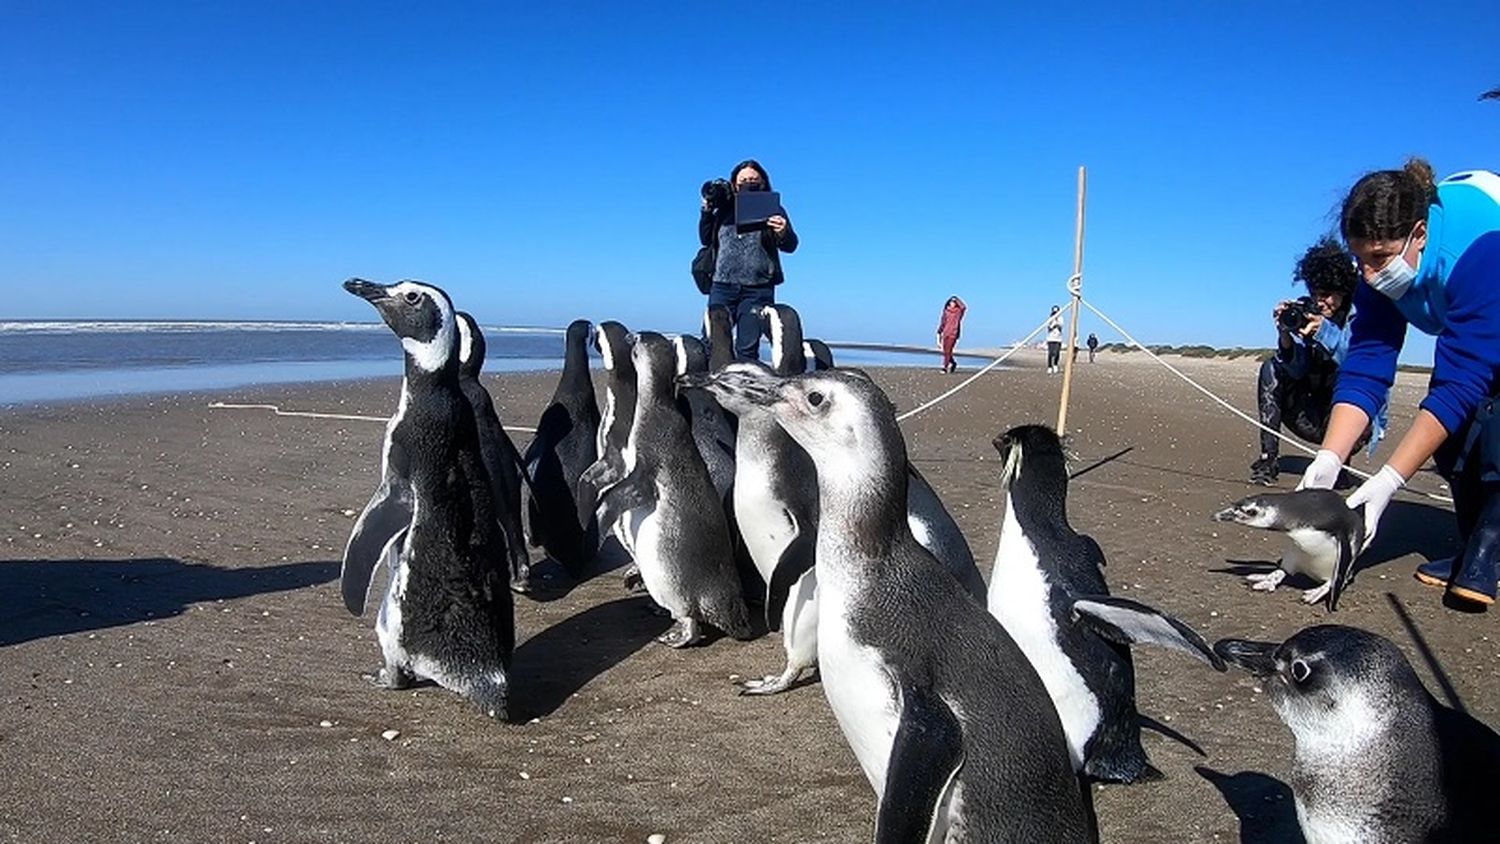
<point x="752" y="186"/>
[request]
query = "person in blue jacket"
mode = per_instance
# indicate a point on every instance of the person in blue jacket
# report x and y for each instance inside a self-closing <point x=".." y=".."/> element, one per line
<point x="1429" y="258"/>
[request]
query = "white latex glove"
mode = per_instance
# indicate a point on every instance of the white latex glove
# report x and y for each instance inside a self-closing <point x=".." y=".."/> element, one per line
<point x="1375" y="494"/>
<point x="1322" y="472"/>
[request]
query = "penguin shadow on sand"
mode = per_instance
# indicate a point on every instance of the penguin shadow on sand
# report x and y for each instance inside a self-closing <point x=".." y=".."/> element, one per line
<point x="553" y="664"/>
<point x="1263" y="804"/>
<point x="551" y="582"/>
<point x="44" y="598"/>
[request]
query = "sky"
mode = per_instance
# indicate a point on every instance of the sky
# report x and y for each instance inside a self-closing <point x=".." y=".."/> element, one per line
<point x="240" y="160"/>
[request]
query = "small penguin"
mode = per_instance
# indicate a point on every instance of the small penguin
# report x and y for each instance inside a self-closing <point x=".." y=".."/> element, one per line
<point x="447" y="614"/>
<point x="718" y="334"/>
<point x="1047" y="588"/>
<point x="663" y="492"/>
<point x="1377" y="759"/>
<point x="563" y="447"/>
<point x="949" y="721"/>
<point x="1324" y="538"/>
<point x="501" y="459"/>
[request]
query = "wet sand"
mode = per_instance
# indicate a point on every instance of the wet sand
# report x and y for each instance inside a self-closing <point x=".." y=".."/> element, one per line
<point x="176" y="665"/>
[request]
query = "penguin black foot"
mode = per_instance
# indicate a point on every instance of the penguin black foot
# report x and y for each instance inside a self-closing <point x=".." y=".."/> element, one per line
<point x="631" y="579"/>
<point x="492" y="699"/>
<point x="683" y="633"/>
<point x="392" y="679"/>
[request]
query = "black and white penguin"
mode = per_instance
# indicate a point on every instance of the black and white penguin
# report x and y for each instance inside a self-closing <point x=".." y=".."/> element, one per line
<point x="1377" y="760"/>
<point x="718" y="334"/>
<point x="1047" y="588"/>
<point x="563" y="447"/>
<point x="713" y="428"/>
<point x="447" y="615"/>
<point x="1324" y="538"/>
<point x="501" y="459"/>
<point x="819" y="356"/>
<point x="614" y="341"/>
<point x="662" y="491"/>
<point x="949" y="721"/>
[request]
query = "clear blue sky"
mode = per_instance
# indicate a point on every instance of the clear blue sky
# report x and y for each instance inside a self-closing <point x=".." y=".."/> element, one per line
<point x="239" y="160"/>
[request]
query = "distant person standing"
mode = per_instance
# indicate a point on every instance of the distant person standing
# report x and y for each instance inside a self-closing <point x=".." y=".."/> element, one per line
<point x="1093" y="344"/>
<point x="948" y="329"/>
<point x="747" y="266"/>
<point x="1054" y="339"/>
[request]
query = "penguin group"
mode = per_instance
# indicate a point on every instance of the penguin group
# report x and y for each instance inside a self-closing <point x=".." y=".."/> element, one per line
<point x="781" y="498"/>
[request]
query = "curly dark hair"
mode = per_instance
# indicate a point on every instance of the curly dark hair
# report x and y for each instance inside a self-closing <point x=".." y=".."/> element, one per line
<point x="1326" y="266"/>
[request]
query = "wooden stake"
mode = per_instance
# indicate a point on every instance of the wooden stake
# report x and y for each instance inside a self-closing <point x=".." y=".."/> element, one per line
<point x="1075" y="286"/>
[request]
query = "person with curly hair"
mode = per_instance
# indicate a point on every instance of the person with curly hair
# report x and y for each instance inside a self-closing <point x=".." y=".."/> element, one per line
<point x="1429" y="258"/>
<point x="1295" y="387"/>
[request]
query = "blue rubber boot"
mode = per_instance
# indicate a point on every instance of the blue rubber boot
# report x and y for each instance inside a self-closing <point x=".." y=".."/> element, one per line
<point x="1436" y="572"/>
<point x="1475" y="579"/>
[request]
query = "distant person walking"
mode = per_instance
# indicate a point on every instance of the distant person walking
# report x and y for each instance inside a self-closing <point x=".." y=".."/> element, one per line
<point x="747" y="267"/>
<point x="1054" y="339"/>
<point x="1093" y="345"/>
<point x="948" y="329"/>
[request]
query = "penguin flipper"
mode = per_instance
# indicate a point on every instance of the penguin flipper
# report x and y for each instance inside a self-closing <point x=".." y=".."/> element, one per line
<point x="927" y="754"/>
<point x="626" y="494"/>
<point x="387" y="515"/>
<point x="1128" y="622"/>
<point x="796" y="560"/>
<point x="1350" y="547"/>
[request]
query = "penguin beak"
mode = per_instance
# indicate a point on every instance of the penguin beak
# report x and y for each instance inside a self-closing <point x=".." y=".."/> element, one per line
<point x="691" y="380"/>
<point x="1226" y="515"/>
<point x="1259" y="658"/>
<point x="367" y="290"/>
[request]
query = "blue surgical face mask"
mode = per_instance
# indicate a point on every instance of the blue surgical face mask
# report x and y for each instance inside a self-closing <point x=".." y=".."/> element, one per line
<point x="1396" y="277"/>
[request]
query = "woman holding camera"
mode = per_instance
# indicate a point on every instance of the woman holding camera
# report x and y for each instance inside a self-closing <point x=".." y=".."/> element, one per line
<point x="1295" y="387"/>
<point x="747" y="267"/>
<point x="1429" y="257"/>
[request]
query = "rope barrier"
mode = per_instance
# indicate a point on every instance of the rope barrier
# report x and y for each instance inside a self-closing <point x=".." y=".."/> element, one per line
<point x="308" y="414"/>
<point x="1231" y="408"/>
<point x="975" y="377"/>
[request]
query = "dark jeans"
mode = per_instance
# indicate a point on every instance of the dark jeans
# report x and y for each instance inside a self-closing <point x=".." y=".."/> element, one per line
<point x="1290" y="402"/>
<point x="1470" y="462"/>
<point x="1054" y="352"/>
<point x="744" y="304"/>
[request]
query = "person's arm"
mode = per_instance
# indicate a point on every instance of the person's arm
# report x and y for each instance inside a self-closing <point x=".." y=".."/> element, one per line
<point x="708" y="225"/>
<point x="786" y="236"/>
<point x="1376" y="334"/>
<point x="1330" y="339"/>
<point x="1467" y="357"/>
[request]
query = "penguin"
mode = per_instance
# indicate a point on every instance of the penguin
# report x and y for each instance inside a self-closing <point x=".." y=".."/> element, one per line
<point x="718" y="334"/>
<point x="501" y="459"/>
<point x="663" y="492"/>
<point x="1324" y="538"/>
<point x="819" y="356"/>
<point x="948" y="720"/>
<point x="447" y="615"/>
<point x="563" y="447"/>
<point x="1047" y="588"/>
<point x="613" y="342"/>
<point x="1377" y="760"/>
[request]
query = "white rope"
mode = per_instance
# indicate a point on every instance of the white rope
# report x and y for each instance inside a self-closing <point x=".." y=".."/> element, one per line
<point x="975" y="377"/>
<point x="1231" y="408"/>
<point x="307" y="414"/>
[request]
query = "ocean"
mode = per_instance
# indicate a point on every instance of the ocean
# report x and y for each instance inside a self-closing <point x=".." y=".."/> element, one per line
<point x="56" y="361"/>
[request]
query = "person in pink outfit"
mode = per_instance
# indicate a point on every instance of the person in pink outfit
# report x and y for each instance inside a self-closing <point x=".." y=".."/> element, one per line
<point x="948" y="329"/>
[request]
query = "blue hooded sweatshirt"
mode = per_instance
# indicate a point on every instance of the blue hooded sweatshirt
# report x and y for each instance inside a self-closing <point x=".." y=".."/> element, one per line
<point x="1456" y="296"/>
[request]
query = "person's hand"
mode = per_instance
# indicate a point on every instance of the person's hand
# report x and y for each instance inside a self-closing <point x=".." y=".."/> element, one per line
<point x="1276" y="314"/>
<point x="777" y="224"/>
<point x="1322" y="472"/>
<point x="1376" y="494"/>
<point x="1310" y="330"/>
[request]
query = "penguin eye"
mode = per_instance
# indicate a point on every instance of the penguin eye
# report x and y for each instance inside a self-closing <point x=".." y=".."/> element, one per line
<point x="412" y="297"/>
<point x="815" y="399"/>
<point x="1300" y="671"/>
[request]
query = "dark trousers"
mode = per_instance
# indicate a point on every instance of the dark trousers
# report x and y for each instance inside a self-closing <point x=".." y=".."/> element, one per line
<point x="1054" y="352"/>
<point x="1470" y="461"/>
<point x="744" y="304"/>
<point x="1091" y="354"/>
<point x="1290" y="402"/>
<point x="948" y="343"/>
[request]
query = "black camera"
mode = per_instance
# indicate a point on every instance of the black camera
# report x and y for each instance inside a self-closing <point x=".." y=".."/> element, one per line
<point x="718" y="193"/>
<point x="1298" y="313"/>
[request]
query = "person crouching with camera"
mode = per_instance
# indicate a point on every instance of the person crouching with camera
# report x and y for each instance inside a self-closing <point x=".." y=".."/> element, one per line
<point x="1296" y="384"/>
<point x="747" y="267"/>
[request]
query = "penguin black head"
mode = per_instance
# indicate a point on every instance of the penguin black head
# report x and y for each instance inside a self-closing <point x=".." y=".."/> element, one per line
<point x="785" y="329"/>
<point x="580" y="333"/>
<point x="691" y="356"/>
<point x="1257" y="511"/>
<point x="654" y="361"/>
<point x="1329" y="680"/>
<point x="1038" y="446"/>
<point x="718" y="331"/>
<point x="471" y="345"/>
<point x="820" y="357"/>
<point x="420" y="314"/>
<point x="613" y="341"/>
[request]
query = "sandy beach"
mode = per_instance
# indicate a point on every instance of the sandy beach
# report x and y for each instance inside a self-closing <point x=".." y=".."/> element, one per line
<point x="176" y="665"/>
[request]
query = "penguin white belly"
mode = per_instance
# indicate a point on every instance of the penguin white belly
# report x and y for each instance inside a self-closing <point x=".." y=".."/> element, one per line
<point x="761" y="517"/>
<point x="1332" y="828"/>
<point x="658" y="575"/>
<point x="1019" y="597"/>
<point x="799" y="622"/>
<point x="1311" y="552"/>
<point x="859" y="690"/>
<point x="388" y="623"/>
